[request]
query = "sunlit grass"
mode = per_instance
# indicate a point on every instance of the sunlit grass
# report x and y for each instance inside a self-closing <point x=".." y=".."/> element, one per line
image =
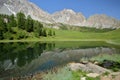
<point x="102" y="57"/>
<point x="70" y="35"/>
<point x="61" y="74"/>
<point x="65" y="74"/>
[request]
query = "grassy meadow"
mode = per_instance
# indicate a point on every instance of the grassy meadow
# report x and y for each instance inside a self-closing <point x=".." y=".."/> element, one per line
<point x="71" y="35"/>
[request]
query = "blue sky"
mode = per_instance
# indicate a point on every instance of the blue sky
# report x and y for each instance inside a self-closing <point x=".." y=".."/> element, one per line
<point x="87" y="7"/>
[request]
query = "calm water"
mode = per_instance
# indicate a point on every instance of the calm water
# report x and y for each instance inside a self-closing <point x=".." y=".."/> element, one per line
<point x="28" y="58"/>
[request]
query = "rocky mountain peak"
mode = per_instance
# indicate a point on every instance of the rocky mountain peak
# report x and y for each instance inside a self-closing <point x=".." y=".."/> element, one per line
<point x="102" y="21"/>
<point x="70" y="11"/>
<point x="66" y="16"/>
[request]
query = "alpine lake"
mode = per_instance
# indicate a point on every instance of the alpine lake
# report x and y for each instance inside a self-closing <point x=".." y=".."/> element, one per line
<point x="25" y="58"/>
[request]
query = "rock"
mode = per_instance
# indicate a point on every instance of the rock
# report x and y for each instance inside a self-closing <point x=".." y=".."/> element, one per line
<point x="84" y="62"/>
<point x="106" y="78"/>
<point x="97" y="69"/>
<point x="89" y="67"/>
<point x="83" y="78"/>
<point x="117" y="77"/>
<point x="96" y="63"/>
<point x="78" y="66"/>
<point x="115" y="73"/>
<point x="94" y="75"/>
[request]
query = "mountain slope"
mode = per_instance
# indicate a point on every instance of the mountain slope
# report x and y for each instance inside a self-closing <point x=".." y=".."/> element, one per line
<point x="28" y="8"/>
<point x="66" y="16"/>
<point x="102" y="21"/>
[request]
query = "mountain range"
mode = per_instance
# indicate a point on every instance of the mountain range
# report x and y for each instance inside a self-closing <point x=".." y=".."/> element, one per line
<point x="66" y="16"/>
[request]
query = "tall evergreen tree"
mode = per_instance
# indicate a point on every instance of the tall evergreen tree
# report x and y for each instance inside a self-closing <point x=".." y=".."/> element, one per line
<point x="29" y="24"/>
<point x="2" y="23"/>
<point x="50" y="33"/>
<point x="38" y="28"/>
<point x="2" y="27"/>
<point x="44" y="33"/>
<point x="11" y="22"/>
<point x="21" y="20"/>
<point x="53" y="33"/>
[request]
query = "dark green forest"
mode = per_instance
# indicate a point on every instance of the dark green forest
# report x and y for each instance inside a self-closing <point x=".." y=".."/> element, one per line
<point x="22" y="27"/>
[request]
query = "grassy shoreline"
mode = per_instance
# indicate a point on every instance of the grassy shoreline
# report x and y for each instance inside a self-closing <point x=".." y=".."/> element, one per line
<point x="114" y="42"/>
<point x="46" y="40"/>
<point x="110" y="37"/>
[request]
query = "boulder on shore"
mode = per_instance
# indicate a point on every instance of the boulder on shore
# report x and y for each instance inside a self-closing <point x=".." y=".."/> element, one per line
<point x="89" y="67"/>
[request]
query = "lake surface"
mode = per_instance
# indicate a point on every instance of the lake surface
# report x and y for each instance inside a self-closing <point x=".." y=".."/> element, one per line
<point x="19" y="59"/>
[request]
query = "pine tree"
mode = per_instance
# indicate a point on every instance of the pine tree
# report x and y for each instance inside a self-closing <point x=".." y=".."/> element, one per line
<point x="1" y="23"/>
<point x="44" y="33"/>
<point x="4" y="21"/>
<point x="29" y="24"/>
<point x="11" y="22"/>
<point x="50" y="33"/>
<point x="53" y="33"/>
<point x="21" y="20"/>
<point x="1" y="35"/>
<point x="1" y="28"/>
<point x="38" y="28"/>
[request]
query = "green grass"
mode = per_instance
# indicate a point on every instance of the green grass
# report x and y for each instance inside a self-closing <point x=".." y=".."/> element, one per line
<point x="65" y="74"/>
<point x="102" y="57"/>
<point x="111" y="57"/>
<point x="70" y="35"/>
<point x="61" y="74"/>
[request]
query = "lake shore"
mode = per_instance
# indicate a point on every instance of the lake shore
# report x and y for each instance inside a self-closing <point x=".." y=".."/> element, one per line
<point x="86" y="69"/>
<point x="92" y="43"/>
<point x="46" y="40"/>
<point x="75" y="71"/>
<point x="113" y="42"/>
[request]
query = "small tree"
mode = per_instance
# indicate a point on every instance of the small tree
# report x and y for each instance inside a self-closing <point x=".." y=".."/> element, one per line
<point x="44" y="33"/>
<point x="50" y="33"/>
<point x="53" y="33"/>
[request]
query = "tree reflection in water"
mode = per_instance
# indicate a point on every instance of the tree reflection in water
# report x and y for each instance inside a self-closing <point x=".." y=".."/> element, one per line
<point x="22" y="53"/>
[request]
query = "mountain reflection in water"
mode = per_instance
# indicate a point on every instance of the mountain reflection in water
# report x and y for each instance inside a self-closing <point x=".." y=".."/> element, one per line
<point x="25" y="58"/>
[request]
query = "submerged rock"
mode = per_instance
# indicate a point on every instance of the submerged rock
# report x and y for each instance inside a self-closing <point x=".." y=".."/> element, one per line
<point x="115" y="66"/>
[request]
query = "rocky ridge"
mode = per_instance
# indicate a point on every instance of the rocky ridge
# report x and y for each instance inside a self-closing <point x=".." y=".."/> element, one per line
<point x="28" y="8"/>
<point x="66" y="16"/>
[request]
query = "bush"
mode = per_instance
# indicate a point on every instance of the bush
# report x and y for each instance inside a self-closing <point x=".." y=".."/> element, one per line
<point x="61" y="74"/>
